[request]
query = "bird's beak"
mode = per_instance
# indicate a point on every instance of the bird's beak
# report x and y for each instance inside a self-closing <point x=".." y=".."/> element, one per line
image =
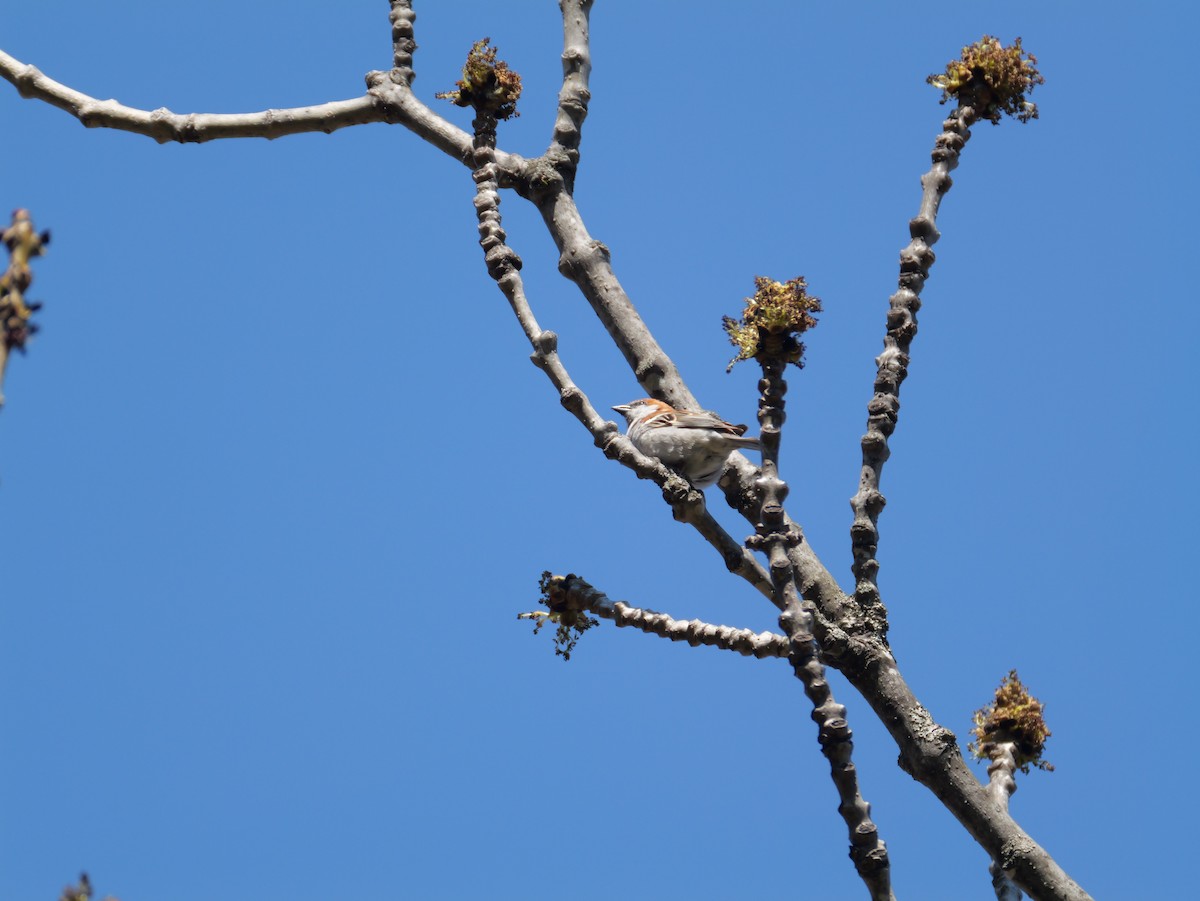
<point x="622" y="409"/>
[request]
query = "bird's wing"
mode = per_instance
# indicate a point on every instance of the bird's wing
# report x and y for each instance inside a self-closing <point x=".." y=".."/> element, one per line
<point x="702" y="419"/>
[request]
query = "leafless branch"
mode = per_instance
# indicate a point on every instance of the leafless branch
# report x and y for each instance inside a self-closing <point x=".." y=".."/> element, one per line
<point x="884" y="407"/>
<point x="163" y="125"/>
<point x="1002" y="784"/>
<point x="774" y="538"/>
<point x="928" y="751"/>
<point x="398" y="104"/>
<point x="577" y="594"/>
<point x="574" y="96"/>
<point x="403" y="42"/>
<point x="851" y="636"/>
<point x="504" y="265"/>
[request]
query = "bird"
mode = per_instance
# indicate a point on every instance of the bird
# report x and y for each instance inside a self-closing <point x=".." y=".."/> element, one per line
<point x="694" y="443"/>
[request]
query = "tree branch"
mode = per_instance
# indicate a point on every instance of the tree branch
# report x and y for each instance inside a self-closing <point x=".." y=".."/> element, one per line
<point x="403" y="43"/>
<point x="587" y="263"/>
<point x="1002" y="784"/>
<point x="504" y="265"/>
<point x="776" y="343"/>
<point x="928" y="751"/>
<point x="931" y="755"/>
<point x="573" y="593"/>
<point x="388" y="99"/>
<point x="398" y="105"/>
<point x="864" y="658"/>
<point x="574" y="96"/>
<point x="163" y="125"/>
<point x="884" y="407"/>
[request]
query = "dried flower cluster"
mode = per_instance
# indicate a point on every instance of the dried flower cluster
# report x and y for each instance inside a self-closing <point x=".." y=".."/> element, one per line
<point x="23" y="244"/>
<point x="781" y="310"/>
<point x="82" y="891"/>
<point x="992" y="79"/>
<point x="572" y="622"/>
<point x="487" y="85"/>
<point x="1014" y="716"/>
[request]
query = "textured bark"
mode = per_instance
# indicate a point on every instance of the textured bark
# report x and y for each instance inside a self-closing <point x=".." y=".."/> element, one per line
<point x="930" y="754"/>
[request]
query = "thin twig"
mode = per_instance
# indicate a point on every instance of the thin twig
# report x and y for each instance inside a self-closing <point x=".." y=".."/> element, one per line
<point x="577" y="594"/>
<point x="884" y="407"/>
<point x="774" y="537"/>
<point x="1002" y="783"/>
<point x="403" y="42"/>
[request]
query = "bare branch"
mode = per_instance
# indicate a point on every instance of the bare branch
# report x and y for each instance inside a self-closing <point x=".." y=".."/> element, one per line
<point x="403" y="43"/>
<point x="1011" y="734"/>
<point x="397" y="104"/>
<point x="163" y="125"/>
<point x="1002" y="784"/>
<point x="504" y="265"/>
<point x="587" y="262"/>
<point x="845" y="637"/>
<point x="574" y="96"/>
<point x="930" y="753"/>
<point x="775" y="343"/>
<point x="388" y="99"/>
<point x="884" y="408"/>
<point x="574" y="593"/>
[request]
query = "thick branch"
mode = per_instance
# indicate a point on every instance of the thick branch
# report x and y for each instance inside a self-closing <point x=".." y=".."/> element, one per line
<point x="930" y="753"/>
<point x="164" y="125"/>
<point x="884" y="407"/>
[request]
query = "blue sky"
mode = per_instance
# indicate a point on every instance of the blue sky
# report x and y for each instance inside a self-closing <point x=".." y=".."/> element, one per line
<point x="276" y="476"/>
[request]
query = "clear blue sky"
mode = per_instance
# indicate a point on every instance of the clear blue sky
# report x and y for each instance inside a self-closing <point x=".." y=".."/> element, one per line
<point x="276" y="476"/>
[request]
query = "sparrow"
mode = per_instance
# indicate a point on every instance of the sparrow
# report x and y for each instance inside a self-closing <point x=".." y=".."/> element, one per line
<point x="694" y="443"/>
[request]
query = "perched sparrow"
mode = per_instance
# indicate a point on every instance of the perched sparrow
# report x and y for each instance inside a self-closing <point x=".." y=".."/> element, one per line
<point x="695" y="444"/>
